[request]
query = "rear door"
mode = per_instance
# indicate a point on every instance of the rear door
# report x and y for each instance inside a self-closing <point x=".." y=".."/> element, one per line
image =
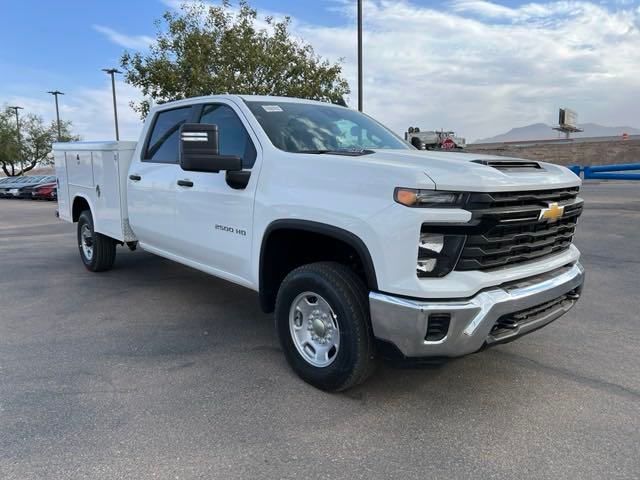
<point x="214" y="219"/>
<point x="151" y="186"/>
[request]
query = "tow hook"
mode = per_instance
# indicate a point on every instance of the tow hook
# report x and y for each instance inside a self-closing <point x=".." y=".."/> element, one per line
<point x="508" y="323"/>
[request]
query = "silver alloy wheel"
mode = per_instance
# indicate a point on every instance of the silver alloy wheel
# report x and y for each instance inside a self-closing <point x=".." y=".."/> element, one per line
<point x="86" y="241"/>
<point x="314" y="329"/>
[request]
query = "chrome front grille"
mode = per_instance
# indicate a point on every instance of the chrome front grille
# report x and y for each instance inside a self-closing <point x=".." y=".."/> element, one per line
<point x="508" y="228"/>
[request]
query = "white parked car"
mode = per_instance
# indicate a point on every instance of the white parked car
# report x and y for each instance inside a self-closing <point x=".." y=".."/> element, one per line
<point x="362" y="245"/>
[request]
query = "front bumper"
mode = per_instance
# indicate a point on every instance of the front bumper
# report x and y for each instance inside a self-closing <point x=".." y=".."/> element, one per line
<point x="495" y="315"/>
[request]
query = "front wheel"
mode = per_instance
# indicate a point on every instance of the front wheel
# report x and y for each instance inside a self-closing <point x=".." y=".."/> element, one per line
<point x="322" y="319"/>
<point x="97" y="251"/>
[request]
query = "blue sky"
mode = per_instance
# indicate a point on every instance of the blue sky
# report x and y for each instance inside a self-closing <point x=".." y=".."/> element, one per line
<point x="476" y="66"/>
<point x="57" y="42"/>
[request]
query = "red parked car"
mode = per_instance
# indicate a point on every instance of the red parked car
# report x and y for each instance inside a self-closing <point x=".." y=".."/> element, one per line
<point x="46" y="191"/>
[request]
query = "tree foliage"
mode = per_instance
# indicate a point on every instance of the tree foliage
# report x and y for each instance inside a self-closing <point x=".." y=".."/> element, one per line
<point x="35" y="142"/>
<point x="203" y="50"/>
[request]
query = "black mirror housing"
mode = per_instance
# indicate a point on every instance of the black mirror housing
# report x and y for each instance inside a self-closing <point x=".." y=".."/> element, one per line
<point x="199" y="150"/>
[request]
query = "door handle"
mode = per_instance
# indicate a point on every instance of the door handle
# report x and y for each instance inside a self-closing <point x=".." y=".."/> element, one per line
<point x="185" y="183"/>
<point x="135" y="178"/>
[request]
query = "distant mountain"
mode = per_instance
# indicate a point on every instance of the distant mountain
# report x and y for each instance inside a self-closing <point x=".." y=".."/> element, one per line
<point x="542" y="131"/>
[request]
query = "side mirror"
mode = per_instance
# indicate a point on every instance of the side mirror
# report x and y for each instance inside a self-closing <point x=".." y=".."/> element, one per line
<point x="199" y="150"/>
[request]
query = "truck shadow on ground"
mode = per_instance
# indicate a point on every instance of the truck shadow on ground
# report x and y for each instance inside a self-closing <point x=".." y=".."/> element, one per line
<point x="219" y="314"/>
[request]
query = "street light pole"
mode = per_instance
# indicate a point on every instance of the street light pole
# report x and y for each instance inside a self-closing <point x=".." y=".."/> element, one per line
<point x="55" y="93"/>
<point x="15" y="109"/>
<point x="112" y="72"/>
<point x="360" y="55"/>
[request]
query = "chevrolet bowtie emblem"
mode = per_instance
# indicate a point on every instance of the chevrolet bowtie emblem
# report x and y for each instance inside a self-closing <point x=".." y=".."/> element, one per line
<point x="552" y="213"/>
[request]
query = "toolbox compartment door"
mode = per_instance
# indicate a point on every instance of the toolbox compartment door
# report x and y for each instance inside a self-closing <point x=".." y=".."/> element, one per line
<point x="107" y="193"/>
<point x="64" y="206"/>
<point x="80" y="168"/>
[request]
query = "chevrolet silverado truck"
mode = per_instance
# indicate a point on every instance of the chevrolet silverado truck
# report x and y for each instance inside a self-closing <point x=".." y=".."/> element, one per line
<point x="362" y="245"/>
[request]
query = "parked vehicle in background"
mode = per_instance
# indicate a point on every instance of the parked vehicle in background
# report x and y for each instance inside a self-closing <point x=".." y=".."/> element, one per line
<point x="46" y="191"/>
<point x="28" y="191"/>
<point x="5" y="186"/>
<point x="434" y="140"/>
<point x="362" y="245"/>
<point x="46" y="179"/>
<point x="14" y="187"/>
<point x="25" y="192"/>
<point x="11" y="184"/>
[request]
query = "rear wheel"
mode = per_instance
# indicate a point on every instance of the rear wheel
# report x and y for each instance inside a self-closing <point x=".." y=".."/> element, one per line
<point x="97" y="251"/>
<point x="322" y="319"/>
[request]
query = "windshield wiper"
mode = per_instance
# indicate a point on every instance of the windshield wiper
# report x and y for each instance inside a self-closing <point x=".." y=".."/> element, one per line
<point x="352" y="152"/>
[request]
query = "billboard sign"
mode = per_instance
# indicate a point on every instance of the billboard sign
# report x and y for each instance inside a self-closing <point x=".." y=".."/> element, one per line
<point x="568" y="118"/>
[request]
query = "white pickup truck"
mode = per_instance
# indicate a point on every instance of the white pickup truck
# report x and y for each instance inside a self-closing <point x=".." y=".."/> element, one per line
<point x="361" y="244"/>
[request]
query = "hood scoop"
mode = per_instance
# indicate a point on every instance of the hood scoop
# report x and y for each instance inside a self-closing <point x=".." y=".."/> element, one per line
<point x="510" y="165"/>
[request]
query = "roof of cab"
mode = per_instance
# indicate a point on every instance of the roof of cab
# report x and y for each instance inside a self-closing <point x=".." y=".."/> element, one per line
<point x="248" y="98"/>
<point x="269" y="98"/>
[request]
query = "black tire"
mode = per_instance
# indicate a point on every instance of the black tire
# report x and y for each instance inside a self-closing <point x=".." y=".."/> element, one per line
<point x="348" y="297"/>
<point x="104" y="248"/>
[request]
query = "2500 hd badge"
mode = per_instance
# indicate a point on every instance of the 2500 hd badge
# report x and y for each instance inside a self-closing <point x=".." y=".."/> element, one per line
<point x="225" y="228"/>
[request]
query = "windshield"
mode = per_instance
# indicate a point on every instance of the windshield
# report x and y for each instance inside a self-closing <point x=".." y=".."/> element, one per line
<point x="312" y="128"/>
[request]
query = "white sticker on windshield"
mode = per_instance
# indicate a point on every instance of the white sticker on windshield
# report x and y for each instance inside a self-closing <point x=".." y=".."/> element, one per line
<point x="272" y="108"/>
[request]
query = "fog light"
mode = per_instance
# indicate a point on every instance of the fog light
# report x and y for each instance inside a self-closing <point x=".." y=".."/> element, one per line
<point x="426" y="266"/>
<point x="437" y="253"/>
<point x="432" y="241"/>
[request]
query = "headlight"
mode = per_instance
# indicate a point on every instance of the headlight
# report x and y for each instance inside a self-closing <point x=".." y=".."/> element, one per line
<point x="412" y="197"/>
<point x="438" y="253"/>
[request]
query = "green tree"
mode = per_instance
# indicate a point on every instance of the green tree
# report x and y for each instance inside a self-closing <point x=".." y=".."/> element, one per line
<point x="204" y="50"/>
<point x="34" y="146"/>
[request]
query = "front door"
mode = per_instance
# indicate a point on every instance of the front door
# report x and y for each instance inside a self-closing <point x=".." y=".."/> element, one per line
<point x="215" y="220"/>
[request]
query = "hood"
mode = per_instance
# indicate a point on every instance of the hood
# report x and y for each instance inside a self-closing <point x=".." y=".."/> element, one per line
<point x="466" y="171"/>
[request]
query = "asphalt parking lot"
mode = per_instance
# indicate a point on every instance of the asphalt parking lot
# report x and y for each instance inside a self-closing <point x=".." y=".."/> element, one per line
<point x="154" y="370"/>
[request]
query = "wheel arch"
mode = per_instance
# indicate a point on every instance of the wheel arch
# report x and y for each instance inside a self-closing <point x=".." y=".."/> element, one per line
<point x="270" y="279"/>
<point x="80" y="204"/>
